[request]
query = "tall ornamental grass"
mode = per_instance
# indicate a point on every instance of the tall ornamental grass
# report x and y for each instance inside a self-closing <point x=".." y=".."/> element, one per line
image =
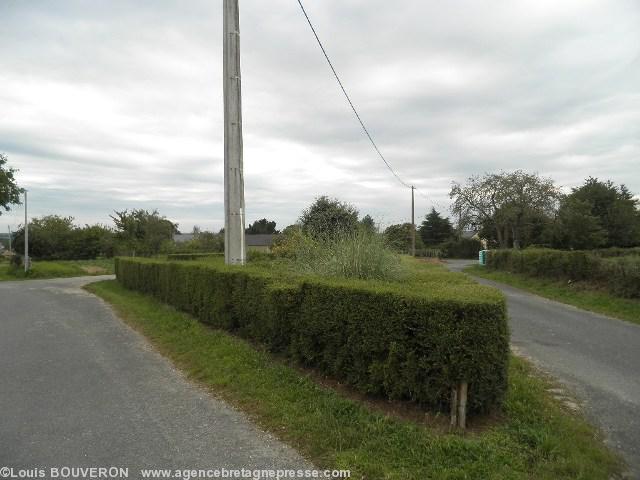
<point x="361" y="254"/>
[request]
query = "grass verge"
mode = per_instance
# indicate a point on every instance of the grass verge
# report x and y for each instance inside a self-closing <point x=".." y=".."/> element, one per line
<point x="58" y="269"/>
<point x="536" y="437"/>
<point x="572" y="294"/>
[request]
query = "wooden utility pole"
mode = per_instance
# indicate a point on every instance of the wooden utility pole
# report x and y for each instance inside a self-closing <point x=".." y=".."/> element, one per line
<point x="234" y="210"/>
<point x="413" y="222"/>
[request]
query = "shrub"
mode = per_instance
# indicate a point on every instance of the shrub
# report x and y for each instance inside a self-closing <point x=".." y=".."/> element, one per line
<point x="15" y="262"/>
<point x="623" y="275"/>
<point x="619" y="275"/>
<point x="616" y="252"/>
<point x="412" y="341"/>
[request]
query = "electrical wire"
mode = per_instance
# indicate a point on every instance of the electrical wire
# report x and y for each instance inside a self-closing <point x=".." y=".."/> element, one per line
<point x="335" y="73"/>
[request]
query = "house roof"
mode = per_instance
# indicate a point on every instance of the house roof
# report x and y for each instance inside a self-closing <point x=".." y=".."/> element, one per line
<point x="252" y="240"/>
<point x="259" y="240"/>
<point x="182" y="237"/>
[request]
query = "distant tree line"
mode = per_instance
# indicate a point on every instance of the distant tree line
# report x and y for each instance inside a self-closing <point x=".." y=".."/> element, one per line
<point x="138" y="232"/>
<point x="520" y="209"/>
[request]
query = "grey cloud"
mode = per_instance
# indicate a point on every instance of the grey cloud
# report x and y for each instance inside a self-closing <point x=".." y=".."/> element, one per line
<point x="115" y="104"/>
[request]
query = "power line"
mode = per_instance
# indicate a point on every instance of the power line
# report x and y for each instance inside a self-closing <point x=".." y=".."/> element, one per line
<point x="335" y="73"/>
<point x="435" y="203"/>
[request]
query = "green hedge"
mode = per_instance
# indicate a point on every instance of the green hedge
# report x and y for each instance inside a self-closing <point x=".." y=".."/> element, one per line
<point x="617" y="252"/>
<point x="395" y="341"/>
<point x="620" y="275"/>
<point x="462" y="248"/>
<point x="192" y="256"/>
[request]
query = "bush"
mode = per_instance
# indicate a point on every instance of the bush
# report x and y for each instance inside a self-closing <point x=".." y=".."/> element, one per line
<point x="16" y="262"/>
<point x="616" y="252"/>
<point x="404" y="341"/>
<point x="619" y="275"/>
<point x="623" y="274"/>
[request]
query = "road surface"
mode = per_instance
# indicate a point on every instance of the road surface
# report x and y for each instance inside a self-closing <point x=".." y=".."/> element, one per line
<point x="597" y="357"/>
<point x="80" y="388"/>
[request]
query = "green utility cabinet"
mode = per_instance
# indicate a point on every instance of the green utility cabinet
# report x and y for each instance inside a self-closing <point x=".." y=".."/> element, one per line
<point x="482" y="257"/>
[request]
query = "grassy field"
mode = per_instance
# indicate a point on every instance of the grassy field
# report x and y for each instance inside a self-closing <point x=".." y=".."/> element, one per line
<point x="535" y="437"/>
<point x="572" y="294"/>
<point x="58" y="269"/>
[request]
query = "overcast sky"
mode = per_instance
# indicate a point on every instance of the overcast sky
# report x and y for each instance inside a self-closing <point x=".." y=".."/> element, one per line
<point x="113" y="104"/>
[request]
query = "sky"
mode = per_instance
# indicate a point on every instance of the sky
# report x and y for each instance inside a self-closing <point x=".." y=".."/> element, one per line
<point x="110" y="104"/>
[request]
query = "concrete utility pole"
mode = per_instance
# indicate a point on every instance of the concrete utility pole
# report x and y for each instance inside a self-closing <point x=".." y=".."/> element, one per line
<point x="234" y="241"/>
<point x="413" y="222"/>
<point x="26" y="235"/>
<point x="10" y="249"/>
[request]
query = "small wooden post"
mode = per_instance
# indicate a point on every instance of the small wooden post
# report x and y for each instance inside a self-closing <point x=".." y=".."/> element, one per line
<point x="462" y="406"/>
<point x="454" y="407"/>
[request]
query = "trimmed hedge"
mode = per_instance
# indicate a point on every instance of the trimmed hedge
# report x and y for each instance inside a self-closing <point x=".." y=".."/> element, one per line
<point x="192" y="256"/>
<point x="413" y="343"/>
<point x="620" y="275"/>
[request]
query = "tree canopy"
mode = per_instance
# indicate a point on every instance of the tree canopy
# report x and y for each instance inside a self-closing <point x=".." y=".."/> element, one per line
<point x="53" y="237"/>
<point x="328" y="218"/>
<point x="9" y="190"/>
<point x="598" y="214"/>
<point x="435" y="229"/>
<point x="262" y="226"/>
<point x="505" y="204"/>
<point x="398" y="237"/>
<point x="142" y="232"/>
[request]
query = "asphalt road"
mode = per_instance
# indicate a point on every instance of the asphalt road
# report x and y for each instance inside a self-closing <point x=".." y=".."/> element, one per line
<point x="80" y="388"/>
<point x="596" y="357"/>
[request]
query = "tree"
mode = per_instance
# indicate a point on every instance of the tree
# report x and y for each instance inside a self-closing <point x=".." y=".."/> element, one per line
<point x="327" y="218"/>
<point x="368" y="223"/>
<point x="614" y="209"/>
<point x="398" y="237"/>
<point x="262" y="226"/>
<point x="50" y="237"/>
<point x="434" y="229"/>
<point x="53" y="237"/>
<point x="9" y="190"/>
<point x="576" y="227"/>
<point x="504" y="202"/>
<point x="142" y="232"/>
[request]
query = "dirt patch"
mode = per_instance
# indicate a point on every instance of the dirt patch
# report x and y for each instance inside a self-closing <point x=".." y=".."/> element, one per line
<point x="94" y="270"/>
<point x="433" y="260"/>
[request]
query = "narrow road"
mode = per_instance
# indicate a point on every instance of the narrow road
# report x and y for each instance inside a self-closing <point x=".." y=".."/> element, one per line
<point x="79" y="388"/>
<point x="597" y="357"/>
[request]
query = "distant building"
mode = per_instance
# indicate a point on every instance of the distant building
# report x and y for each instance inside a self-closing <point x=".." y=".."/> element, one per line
<point x="256" y="242"/>
<point x="259" y="242"/>
<point x="183" y="237"/>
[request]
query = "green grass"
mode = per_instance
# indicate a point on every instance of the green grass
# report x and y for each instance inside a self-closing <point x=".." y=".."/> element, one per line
<point x="577" y="295"/>
<point x="57" y="269"/>
<point x="534" y="438"/>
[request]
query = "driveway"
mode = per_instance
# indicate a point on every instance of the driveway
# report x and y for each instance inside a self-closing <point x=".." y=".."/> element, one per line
<point x="80" y="388"/>
<point x="597" y="357"/>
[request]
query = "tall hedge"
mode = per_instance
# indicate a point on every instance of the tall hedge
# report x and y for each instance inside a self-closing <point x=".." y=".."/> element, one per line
<point x="607" y="269"/>
<point x="398" y="342"/>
